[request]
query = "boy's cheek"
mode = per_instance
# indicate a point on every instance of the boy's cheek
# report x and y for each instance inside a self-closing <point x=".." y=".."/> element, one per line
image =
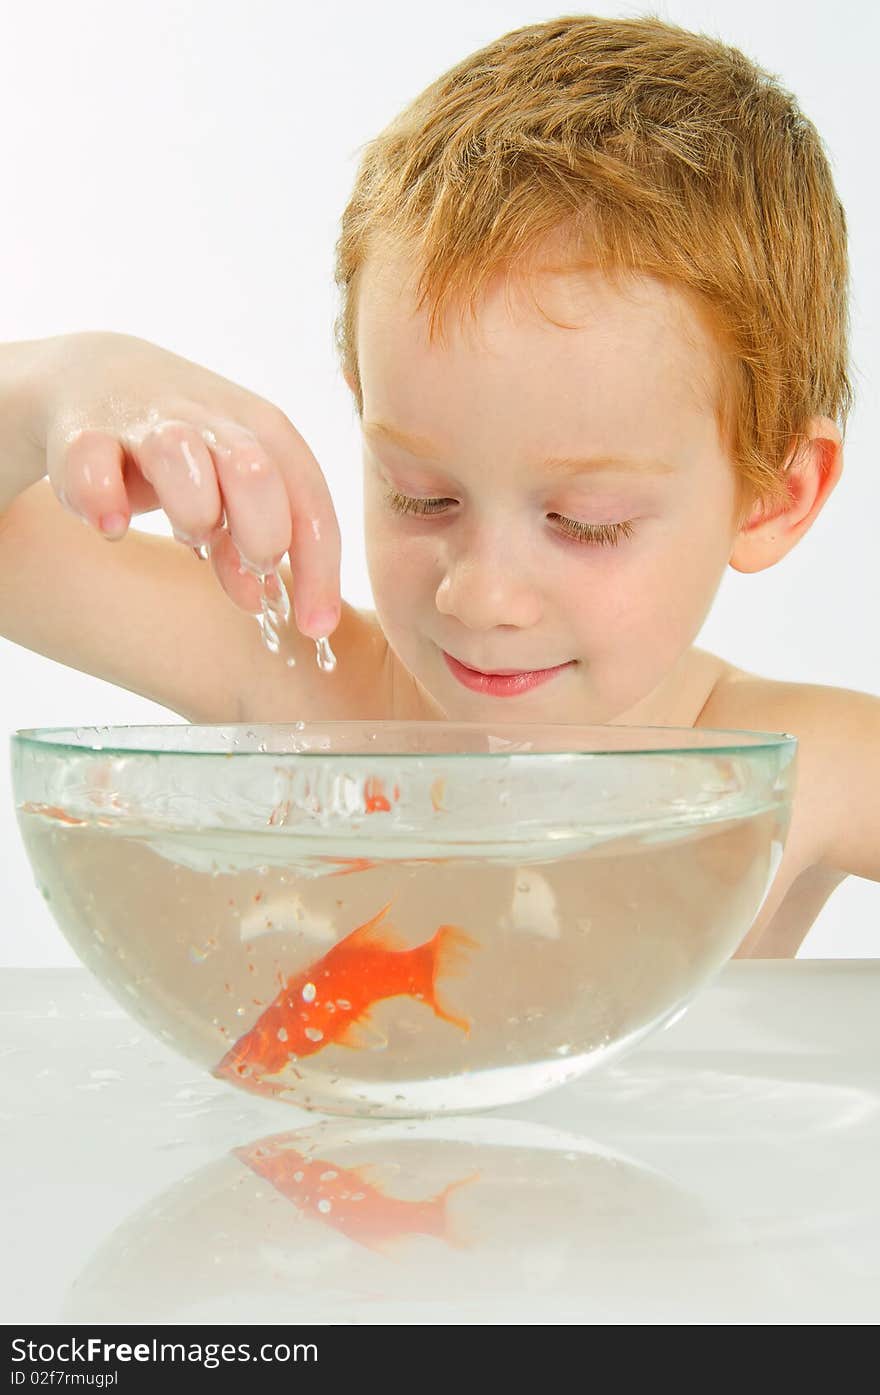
<point x="399" y="564"/>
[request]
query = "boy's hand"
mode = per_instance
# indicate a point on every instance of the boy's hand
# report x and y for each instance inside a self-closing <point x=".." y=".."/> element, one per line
<point x="130" y="427"/>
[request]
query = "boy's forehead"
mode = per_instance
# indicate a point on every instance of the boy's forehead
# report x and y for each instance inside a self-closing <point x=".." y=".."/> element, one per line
<point x="646" y="323"/>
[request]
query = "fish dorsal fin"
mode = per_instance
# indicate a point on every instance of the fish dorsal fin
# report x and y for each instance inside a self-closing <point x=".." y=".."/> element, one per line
<point x="374" y="935"/>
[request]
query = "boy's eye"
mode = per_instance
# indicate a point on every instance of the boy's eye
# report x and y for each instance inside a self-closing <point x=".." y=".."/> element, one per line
<point x="603" y="534"/>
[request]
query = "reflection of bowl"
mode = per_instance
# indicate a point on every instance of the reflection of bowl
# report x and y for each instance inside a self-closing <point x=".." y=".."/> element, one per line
<point x="455" y="1220"/>
<point x="403" y="918"/>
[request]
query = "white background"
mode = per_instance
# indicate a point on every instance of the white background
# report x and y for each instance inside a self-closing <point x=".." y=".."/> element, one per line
<point x="177" y="171"/>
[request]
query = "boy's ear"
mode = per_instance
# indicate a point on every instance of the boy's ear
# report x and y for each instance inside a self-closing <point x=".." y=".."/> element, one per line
<point x="811" y="472"/>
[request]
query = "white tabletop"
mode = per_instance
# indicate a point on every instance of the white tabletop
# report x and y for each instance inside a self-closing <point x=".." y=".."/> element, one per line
<point x="726" y="1171"/>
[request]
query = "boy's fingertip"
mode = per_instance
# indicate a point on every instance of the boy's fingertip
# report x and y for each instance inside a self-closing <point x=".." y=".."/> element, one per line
<point x="113" y="525"/>
<point x="322" y="623"/>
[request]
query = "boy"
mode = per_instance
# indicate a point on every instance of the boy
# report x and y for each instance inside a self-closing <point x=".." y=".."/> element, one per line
<point x="648" y="387"/>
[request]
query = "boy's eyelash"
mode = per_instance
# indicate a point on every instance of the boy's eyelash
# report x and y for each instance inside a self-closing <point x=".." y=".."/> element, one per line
<point x="603" y="534"/>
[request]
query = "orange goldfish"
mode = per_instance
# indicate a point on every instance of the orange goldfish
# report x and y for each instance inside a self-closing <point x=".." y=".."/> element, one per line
<point x="345" y="1199"/>
<point x="328" y="1003"/>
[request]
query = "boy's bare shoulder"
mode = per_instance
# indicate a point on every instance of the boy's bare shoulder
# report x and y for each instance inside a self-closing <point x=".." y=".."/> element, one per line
<point x="835" y="825"/>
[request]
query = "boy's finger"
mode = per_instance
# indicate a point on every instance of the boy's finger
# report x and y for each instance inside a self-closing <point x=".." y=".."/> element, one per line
<point x="254" y="494"/>
<point x="316" y="547"/>
<point x="86" y="472"/>
<point x="179" y="466"/>
<point x="240" y="585"/>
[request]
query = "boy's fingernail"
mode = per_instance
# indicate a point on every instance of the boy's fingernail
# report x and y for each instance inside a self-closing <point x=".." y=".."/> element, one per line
<point x="322" y="622"/>
<point x="113" y="525"/>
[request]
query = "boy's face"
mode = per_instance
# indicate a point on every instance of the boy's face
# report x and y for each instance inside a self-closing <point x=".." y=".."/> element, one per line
<point x="493" y="576"/>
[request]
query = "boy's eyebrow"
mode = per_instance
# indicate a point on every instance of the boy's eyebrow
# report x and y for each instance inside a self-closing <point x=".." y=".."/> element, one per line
<point x="420" y="446"/>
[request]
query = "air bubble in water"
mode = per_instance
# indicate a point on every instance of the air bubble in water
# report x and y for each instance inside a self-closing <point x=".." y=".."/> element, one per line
<point x="314" y="1034"/>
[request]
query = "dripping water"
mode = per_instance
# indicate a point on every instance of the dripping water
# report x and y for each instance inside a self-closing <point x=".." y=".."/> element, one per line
<point x="277" y="612"/>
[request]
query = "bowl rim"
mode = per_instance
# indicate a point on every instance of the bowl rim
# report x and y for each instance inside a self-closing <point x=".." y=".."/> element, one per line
<point x="730" y="741"/>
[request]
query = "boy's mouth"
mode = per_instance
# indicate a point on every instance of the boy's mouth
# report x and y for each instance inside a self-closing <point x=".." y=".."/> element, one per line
<point x="503" y="682"/>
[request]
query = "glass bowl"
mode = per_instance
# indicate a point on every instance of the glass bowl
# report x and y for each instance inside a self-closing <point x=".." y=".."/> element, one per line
<point x="403" y="918"/>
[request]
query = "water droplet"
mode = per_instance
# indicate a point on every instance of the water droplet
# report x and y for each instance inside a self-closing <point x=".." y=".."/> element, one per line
<point x="281" y="1034"/>
<point x="314" y="1034"/>
<point x="325" y="656"/>
<point x="298" y="1176"/>
<point x="309" y="991"/>
<point x="328" y="1176"/>
<point x="344" y="1004"/>
<point x="324" y="1206"/>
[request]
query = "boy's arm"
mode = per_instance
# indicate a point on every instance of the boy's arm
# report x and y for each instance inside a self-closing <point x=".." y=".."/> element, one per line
<point x="22" y="459"/>
<point x="836" y="816"/>
<point x="843" y="728"/>
<point x="147" y="615"/>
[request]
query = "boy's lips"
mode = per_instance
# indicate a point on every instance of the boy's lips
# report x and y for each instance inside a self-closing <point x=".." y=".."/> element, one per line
<point x="504" y="682"/>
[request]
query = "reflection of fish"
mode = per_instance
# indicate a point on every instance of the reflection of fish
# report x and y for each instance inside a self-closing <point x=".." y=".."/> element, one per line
<point x="51" y="811"/>
<point x="347" y="865"/>
<point x="375" y="799"/>
<point x="345" y="1199"/>
<point x="328" y="1003"/>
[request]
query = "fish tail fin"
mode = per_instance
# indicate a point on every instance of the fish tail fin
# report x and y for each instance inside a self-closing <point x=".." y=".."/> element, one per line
<point x="456" y="1235"/>
<point x="450" y="948"/>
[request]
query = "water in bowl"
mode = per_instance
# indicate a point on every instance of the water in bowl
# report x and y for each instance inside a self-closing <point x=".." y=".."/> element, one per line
<point x="558" y="955"/>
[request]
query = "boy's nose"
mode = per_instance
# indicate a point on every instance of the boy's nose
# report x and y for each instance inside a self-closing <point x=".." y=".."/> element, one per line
<point x="482" y="592"/>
